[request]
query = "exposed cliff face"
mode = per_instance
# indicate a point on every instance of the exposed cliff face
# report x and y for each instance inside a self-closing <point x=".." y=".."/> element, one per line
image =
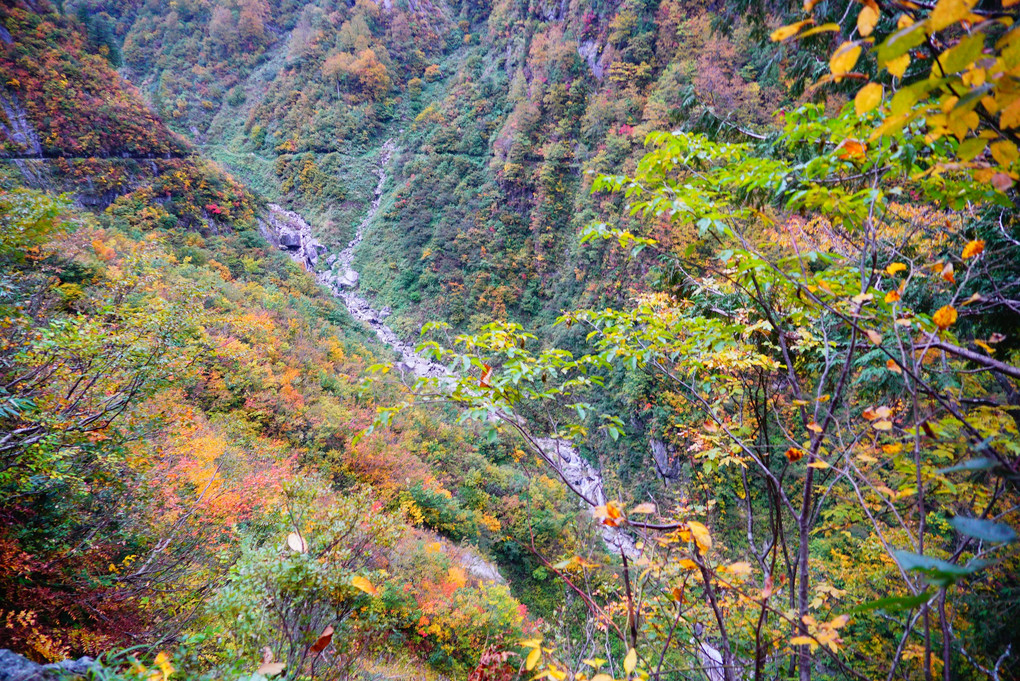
<point x="16" y="127"/>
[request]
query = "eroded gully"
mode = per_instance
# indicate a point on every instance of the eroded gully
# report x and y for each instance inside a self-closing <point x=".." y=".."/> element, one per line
<point x="290" y="232"/>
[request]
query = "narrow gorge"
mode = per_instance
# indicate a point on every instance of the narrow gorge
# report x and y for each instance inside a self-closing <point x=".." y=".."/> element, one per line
<point x="290" y="232"/>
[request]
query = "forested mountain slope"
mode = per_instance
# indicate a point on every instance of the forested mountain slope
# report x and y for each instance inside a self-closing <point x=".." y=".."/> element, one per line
<point x="176" y="417"/>
<point x="720" y="372"/>
<point x="498" y="112"/>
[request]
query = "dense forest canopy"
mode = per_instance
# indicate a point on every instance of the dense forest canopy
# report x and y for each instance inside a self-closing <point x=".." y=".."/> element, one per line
<point x="444" y="339"/>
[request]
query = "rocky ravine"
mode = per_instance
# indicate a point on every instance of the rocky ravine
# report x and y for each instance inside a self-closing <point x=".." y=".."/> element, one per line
<point x="291" y="233"/>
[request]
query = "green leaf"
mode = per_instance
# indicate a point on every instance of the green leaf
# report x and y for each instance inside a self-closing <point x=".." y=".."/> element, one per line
<point x="979" y="464"/>
<point x="959" y="57"/>
<point x="900" y="43"/>
<point x="894" y="603"/>
<point x="985" y="530"/>
<point x="939" y="572"/>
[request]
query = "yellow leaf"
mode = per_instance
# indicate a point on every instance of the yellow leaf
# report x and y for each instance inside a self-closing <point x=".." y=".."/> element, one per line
<point x="984" y="346"/>
<point x="700" y="533"/>
<point x="296" y="543"/>
<point x="1010" y="116"/>
<point x="973" y="249"/>
<point x="944" y="317"/>
<point x="630" y="661"/>
<point x="1004" y="152"/>
<point x="687" y="564"/>
<point x="894" y="268"/>
<point x="818" y="464"/>
<point x="804" y="641"/>
<point x="866" y="20"/>
<point x="644" y="509"/>
<point x="362" y="584"/>
<point x="532" y="659"/>
<point x="948" y="12"/>
<point x="814" y="427"/>
<point x="873" y="336"/>
<point x="898" y="66"/>
<point x="163" y="662"/>
<point x="892" y="297"/>
<point x="844" y="59"/>
<point x="781" y="34"/>
<point x="868" y="97"/>
<point x="602" y="677"/>
<point x="882" y="425"/>
<point x="457" y="577"/>
<point x="741" y="569"/>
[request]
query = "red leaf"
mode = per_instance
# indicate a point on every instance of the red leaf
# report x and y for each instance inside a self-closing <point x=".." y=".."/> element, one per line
<point x="324" y="638"/>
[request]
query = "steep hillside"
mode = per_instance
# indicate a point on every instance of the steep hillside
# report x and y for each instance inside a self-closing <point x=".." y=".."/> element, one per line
<point x="721" y="372"/>
<point x="498" y="112"/>
<point x="178" y="409"/>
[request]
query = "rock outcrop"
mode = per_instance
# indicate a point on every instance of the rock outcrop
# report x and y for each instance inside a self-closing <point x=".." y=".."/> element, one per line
<point x="14" y="667"/>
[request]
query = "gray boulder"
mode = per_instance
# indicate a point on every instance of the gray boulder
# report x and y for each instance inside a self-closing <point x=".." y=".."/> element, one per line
<point x="290" y="240"/>
<point x="349" y="279"/>
<point x="14" y="667"/>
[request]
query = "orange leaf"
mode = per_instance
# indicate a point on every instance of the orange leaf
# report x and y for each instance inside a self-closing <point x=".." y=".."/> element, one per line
<point x="359" y="582"/>
<point x="973" y="249"/>
<point x="794" y="454"/>
<point x="944" y="317"/>
<point x="851" y="149"/>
